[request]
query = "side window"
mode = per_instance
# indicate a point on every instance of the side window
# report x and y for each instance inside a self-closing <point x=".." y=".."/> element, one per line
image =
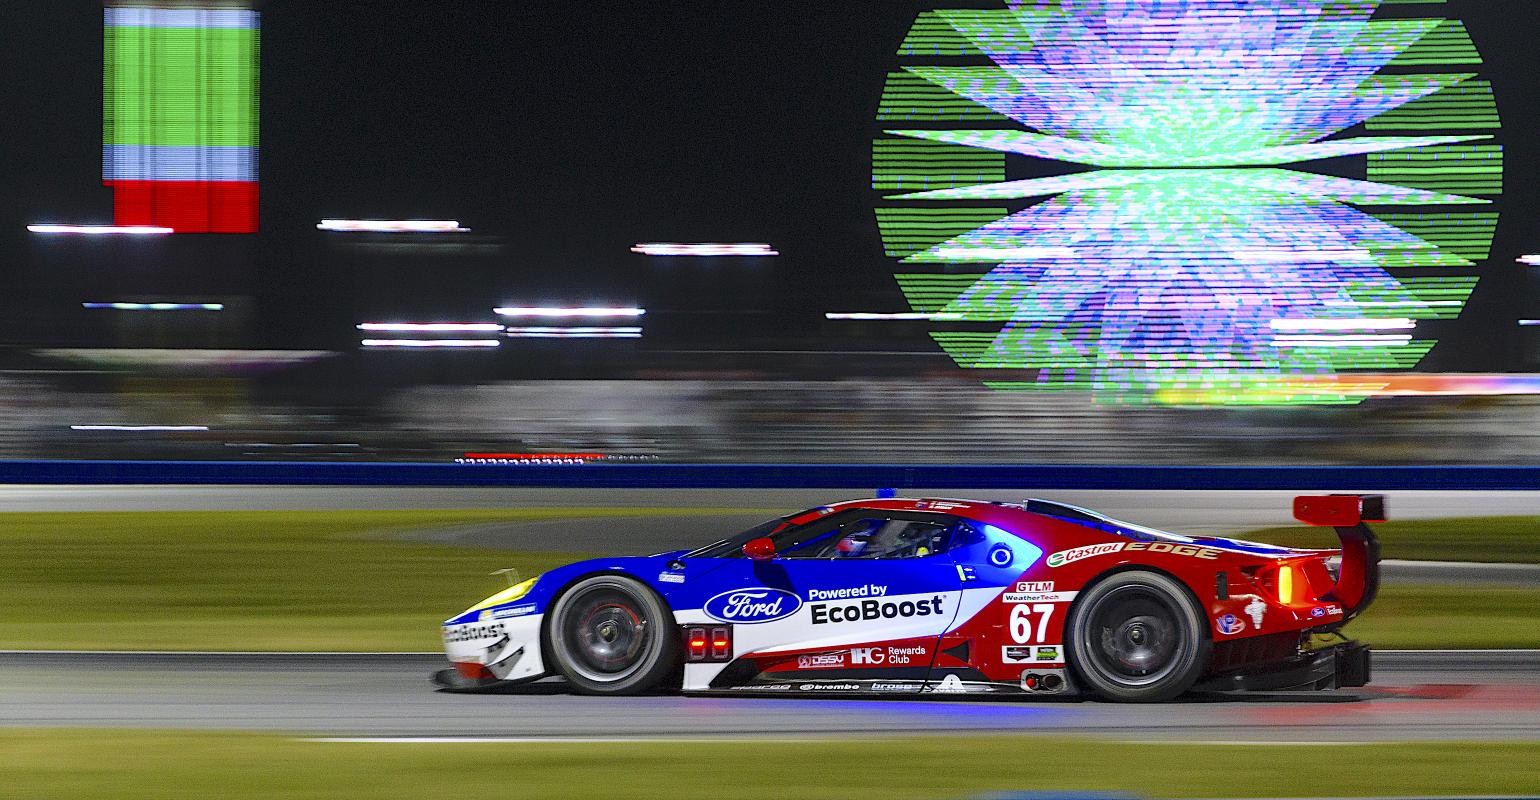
<point x="871" y="536"/>
<point x="965" y="533"/>
<point x="805" y="541"/>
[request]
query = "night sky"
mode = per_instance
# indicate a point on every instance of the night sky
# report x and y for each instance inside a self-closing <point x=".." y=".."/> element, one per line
<point x="568" y="132"/>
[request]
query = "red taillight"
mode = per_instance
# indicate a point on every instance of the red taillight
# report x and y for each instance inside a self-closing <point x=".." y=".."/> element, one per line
<point x="708" y="645"/>
<point x="1296" y="583"/>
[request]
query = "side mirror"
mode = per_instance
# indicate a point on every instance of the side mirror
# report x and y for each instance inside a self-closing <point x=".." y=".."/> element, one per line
<point x="760" y="550"/>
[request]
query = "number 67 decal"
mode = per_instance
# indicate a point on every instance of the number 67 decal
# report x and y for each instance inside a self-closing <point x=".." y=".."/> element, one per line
<point x="1021" y="622"/>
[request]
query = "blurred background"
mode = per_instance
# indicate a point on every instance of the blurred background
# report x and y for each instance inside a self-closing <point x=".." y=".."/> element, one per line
<point x="559" y="137"/>
<point x="866" y="232"/>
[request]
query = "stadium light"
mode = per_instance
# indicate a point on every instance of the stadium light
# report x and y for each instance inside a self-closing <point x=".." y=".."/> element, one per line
<point x="1393" y="303"/>
<point x="705" y="249"/>
<point x="575" y="333"/>
<point x="593" y="312"/>
<point x="391" y="226"/>
<point x="100" y="230"/>
<point x="424" y="344"/>
<point x="432" y="327"/>
<point x="902" y="317"/>
<point x="1002" y="253"/>
<point x="143" y="428"/>
<point x="1286" y="255"/>
<point x="1533" y="261"/>
<point x="1342" y="324"/>
<point x="154" y="306"/>
<point x="1341" y="341"/>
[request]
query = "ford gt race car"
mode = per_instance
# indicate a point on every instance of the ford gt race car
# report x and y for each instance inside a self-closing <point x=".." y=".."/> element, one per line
<point x="941" y="596"/>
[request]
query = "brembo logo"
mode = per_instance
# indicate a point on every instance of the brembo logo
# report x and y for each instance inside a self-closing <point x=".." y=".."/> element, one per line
<point x="752" y="606"/>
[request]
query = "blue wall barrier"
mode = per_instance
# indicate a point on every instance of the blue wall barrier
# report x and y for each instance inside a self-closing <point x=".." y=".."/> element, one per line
<point x="770" y="476"/>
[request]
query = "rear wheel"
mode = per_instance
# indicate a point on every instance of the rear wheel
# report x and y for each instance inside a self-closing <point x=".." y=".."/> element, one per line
<point x="612" y="635"/>
<point x="1137" y="637"/>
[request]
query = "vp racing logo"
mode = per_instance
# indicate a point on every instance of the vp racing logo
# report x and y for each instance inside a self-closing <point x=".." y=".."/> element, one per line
<point x="752" y="606"/>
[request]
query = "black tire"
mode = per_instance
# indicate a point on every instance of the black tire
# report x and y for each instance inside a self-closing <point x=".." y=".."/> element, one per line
<point x="612" y="635"/>
<point x="1137" y="637"/>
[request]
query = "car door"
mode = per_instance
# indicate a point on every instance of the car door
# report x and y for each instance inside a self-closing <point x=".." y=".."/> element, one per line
<point x="1006" y="628"/>
<point x="856" y="601"/>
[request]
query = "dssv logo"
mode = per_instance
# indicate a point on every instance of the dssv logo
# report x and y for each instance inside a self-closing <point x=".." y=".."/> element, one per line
<point x="752" y="606"/>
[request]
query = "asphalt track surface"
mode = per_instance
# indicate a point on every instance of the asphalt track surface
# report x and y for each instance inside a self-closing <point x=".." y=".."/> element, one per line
<point x="1484" y="695"/>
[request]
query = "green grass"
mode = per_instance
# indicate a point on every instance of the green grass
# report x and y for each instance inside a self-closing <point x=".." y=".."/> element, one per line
<point x="347" y="580"/>
<point x="329" y="580"/>
<point x="1493" y="539"/>
<point x="1450" y="618"/>
<point x="72" y="764"/>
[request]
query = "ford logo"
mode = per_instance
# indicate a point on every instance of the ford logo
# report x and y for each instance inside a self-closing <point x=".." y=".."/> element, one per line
<point x="752" y="606"/>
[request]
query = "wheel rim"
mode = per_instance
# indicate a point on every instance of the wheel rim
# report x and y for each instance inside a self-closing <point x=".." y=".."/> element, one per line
<point x="606" y="634"/>
<point x="1133" y="636"/>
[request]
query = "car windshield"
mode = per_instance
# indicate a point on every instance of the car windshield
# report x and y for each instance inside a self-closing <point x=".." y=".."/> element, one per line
<point x="733" y="545"/>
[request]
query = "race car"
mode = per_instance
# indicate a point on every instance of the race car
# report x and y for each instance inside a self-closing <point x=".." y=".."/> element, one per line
<point x="895" y="596"/>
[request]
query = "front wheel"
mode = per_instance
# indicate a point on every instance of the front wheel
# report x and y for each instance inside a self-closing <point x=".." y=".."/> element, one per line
<point x="612" y="635"/>
<point x="1137" y="637"/>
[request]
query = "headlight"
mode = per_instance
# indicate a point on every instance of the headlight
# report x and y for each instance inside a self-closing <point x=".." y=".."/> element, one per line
<point x="507" y="595"/>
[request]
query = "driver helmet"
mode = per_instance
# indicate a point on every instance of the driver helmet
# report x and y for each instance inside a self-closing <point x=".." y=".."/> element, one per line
<point x="853" y="546"/>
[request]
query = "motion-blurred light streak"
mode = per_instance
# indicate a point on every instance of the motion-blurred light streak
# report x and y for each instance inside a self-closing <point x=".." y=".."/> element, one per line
<point x="705" y="250"/>
<point x="1300" y="389"/>
<point x="1185" y="259"/>
<point x="430" y="344"/>
<point x="432" y="327"/>
<point x="142" y="428"/>
<point x="1340" y="341"/>
<point x="181" y="116"/>
<point x="391" y="226"/>
<point x="154" y="306"/>
<point x="100" y="230"/>
<point x="574" y="333"/>
<point x="908" y="316"/>
<point x="589" y="312"/>
<point x="1341" y="324"/>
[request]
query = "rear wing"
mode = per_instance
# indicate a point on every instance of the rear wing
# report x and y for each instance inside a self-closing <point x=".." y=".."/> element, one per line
<point x="1358" y="579"/>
